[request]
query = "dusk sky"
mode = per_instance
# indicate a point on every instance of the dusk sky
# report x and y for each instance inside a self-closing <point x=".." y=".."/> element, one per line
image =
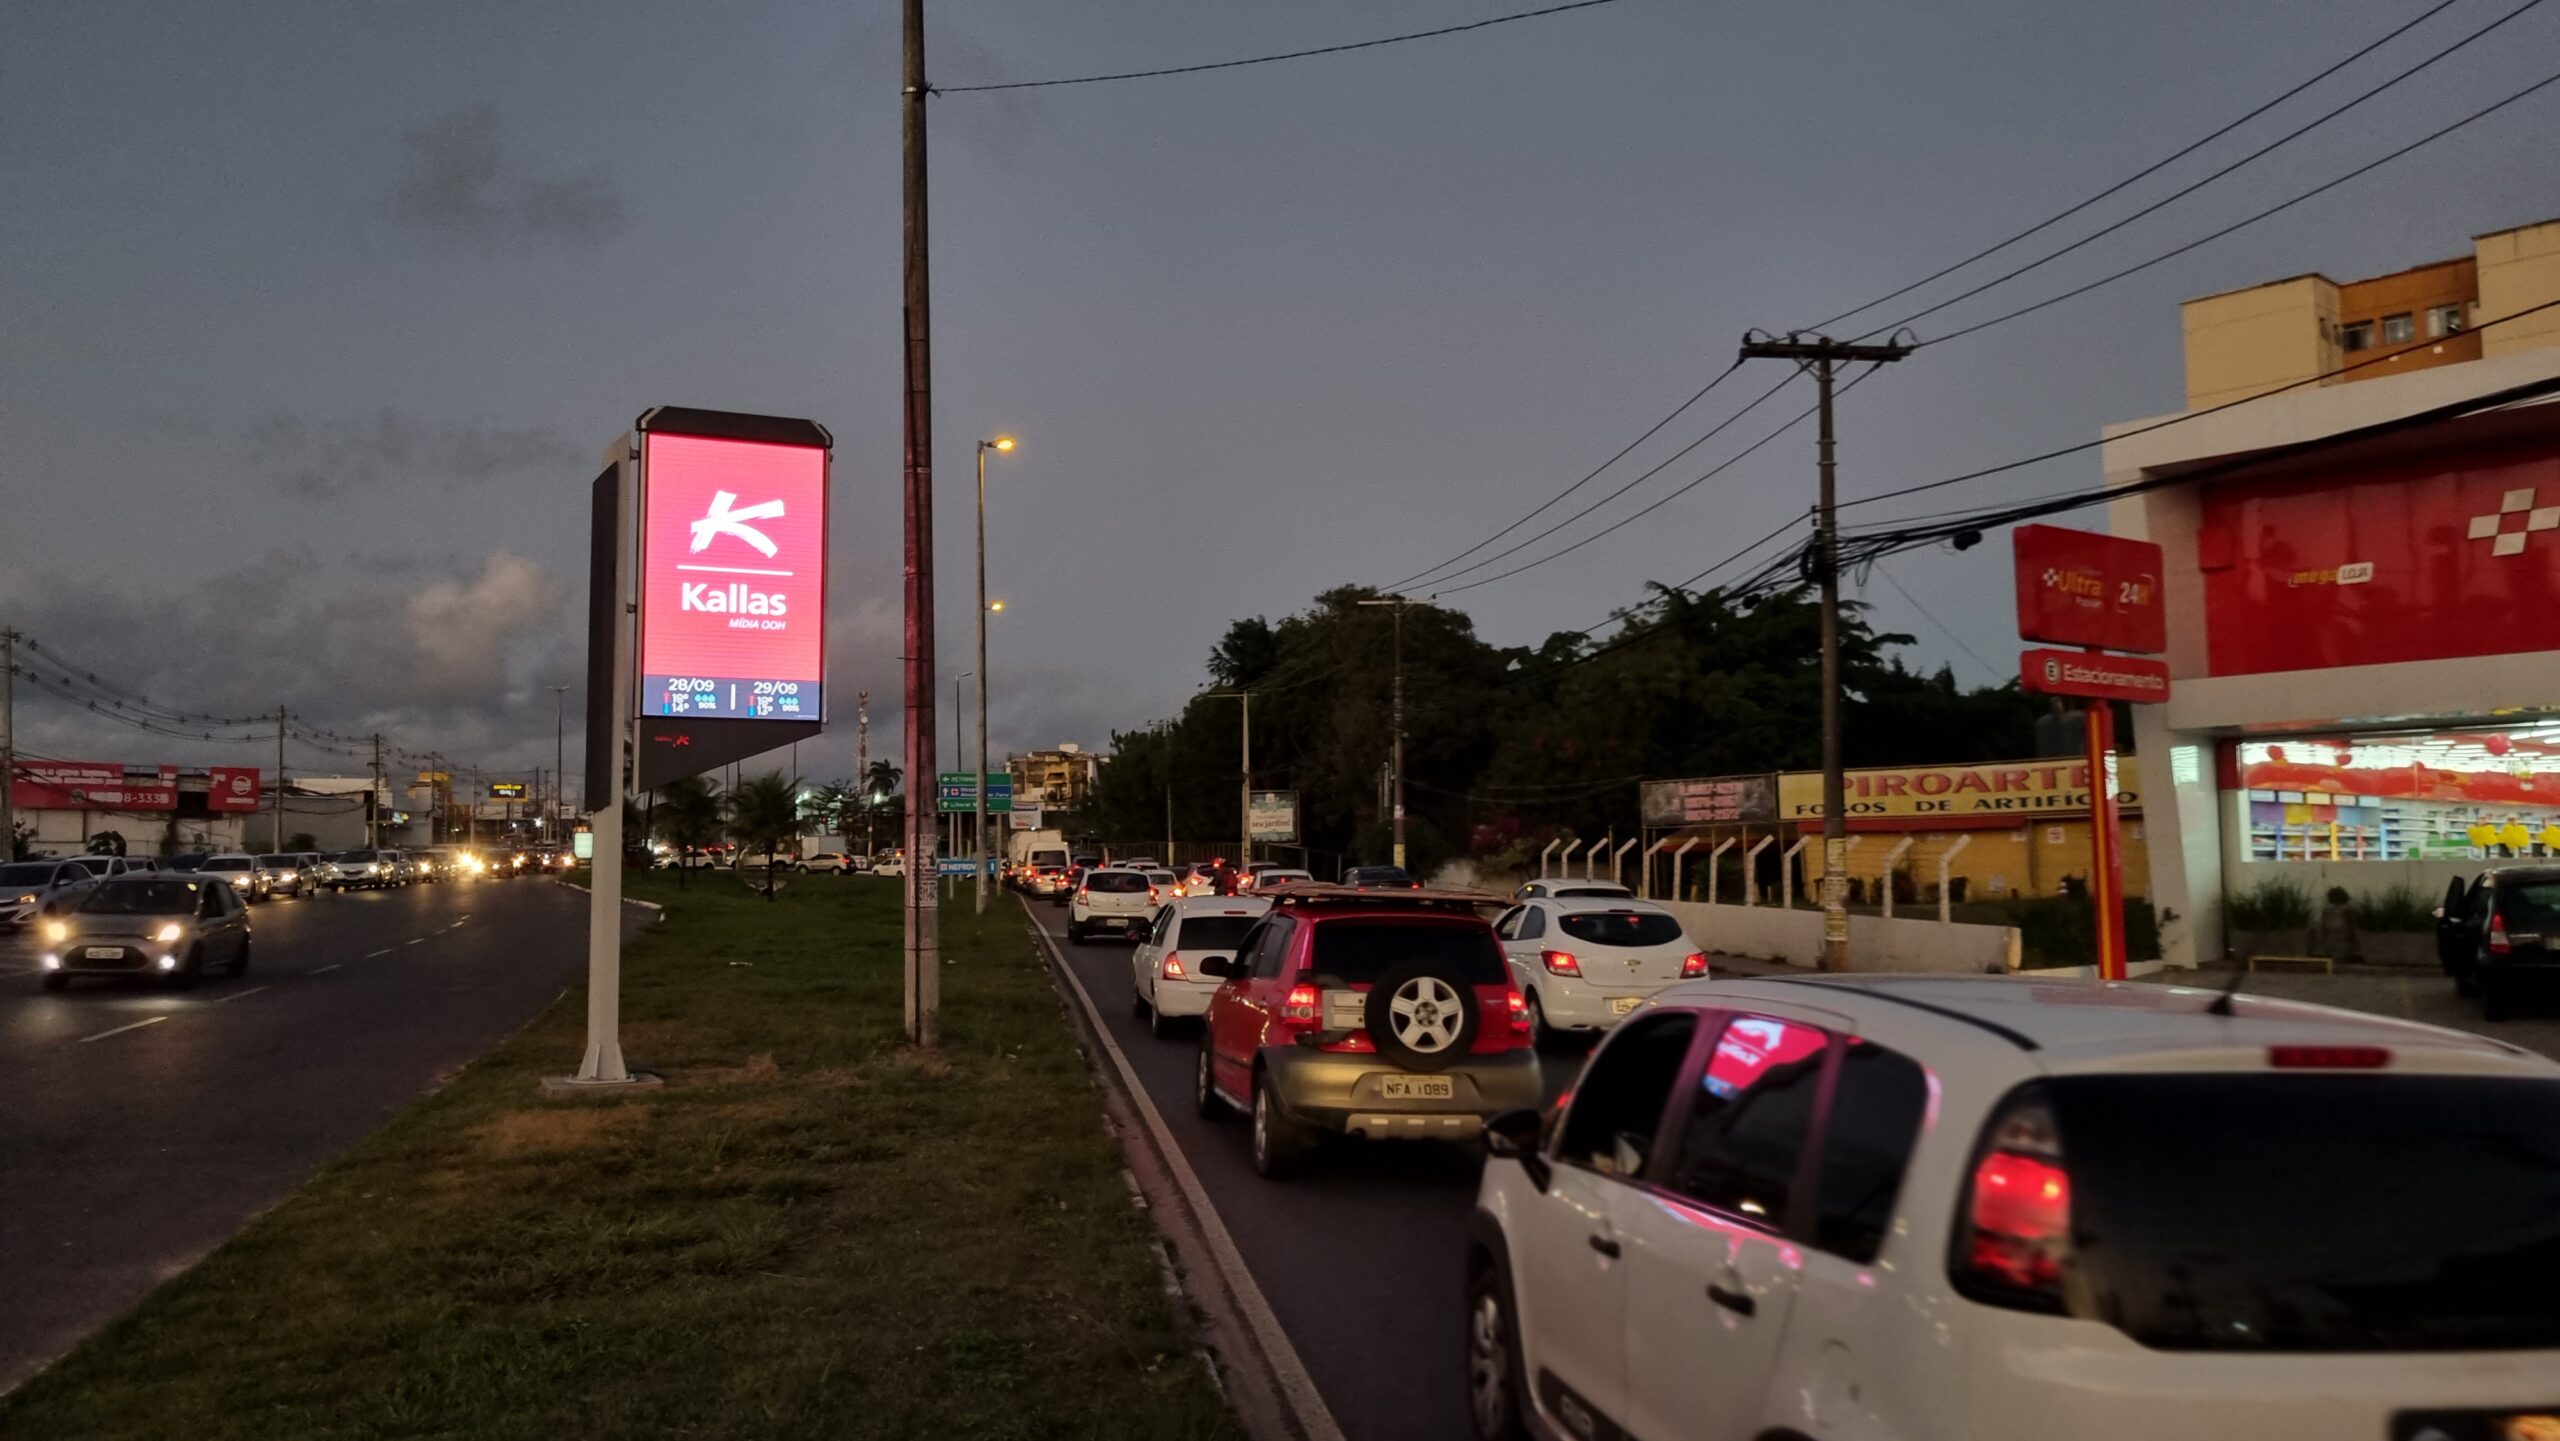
<point x="319" y="315"/>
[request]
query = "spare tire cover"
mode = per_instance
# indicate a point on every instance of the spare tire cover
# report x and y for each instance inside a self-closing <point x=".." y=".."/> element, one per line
<point x="1422" y="1015"/>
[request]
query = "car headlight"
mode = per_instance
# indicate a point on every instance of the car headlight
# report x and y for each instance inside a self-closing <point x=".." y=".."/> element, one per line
<point x="56" y="932"/>
<point x="168" y="934"/>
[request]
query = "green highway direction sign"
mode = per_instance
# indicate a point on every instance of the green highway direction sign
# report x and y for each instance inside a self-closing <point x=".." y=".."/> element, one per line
<point x="957" y="791"/>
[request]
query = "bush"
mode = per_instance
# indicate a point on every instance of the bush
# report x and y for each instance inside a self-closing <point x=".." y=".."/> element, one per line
<point x="2401" y="908"/>
<point x="2270" y="905"/>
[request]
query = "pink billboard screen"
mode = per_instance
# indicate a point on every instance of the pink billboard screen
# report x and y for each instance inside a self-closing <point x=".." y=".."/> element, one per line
<point x="733" y="545"/>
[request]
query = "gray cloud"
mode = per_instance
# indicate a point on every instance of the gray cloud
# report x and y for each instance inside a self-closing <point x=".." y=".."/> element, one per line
<point x="458" y="185"/>
<point x="317" y="459"/>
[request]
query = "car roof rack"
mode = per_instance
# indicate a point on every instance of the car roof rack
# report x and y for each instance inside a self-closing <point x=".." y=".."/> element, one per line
<point x="1313" y="894"/>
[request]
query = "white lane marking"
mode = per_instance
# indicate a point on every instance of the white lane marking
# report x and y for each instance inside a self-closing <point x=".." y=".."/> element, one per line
<point x="324" y="970"/>
<point x="235" y="995"/>
<point x="419" y="941"/>
<point x="120" y="1030"/>
<point x="1297" y="1385"/>
<point x="369" y="955"/>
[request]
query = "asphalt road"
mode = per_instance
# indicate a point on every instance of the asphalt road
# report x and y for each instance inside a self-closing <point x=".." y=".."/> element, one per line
<point x="143" y="1126"/>
<point x="1360" y="1260"/>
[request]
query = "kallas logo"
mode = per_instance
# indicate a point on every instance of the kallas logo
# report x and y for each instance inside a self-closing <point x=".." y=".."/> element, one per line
<point x="721" y="520"/>
<point x="735" y="598"/>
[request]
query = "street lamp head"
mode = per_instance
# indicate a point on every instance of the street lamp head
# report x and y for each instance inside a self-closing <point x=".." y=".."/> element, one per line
<point x="995" y="605"/>
<point x="1002" y="442"/>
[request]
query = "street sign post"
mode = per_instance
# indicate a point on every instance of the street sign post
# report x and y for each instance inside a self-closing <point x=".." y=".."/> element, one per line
<point x="2101" y="593"/>
<point x="955" y="792"/>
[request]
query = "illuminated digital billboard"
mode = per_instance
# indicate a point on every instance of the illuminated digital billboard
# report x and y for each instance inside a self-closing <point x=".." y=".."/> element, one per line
<point x="733" y="545"/>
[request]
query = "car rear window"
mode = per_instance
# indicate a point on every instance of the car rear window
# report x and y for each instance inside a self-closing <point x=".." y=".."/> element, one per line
<point x="228" y="863"/>
<point x="2316" y="1213"/>
<point x="2530" y="905"/>
<point x="142" y="898"/>
<point x="1212" y="933"/>
<point x="1620" y="928"/>
<point x="1358" y="952"/>
<point x="1115" y="882"/>
<point x="26" y="873"/>
<point x="279" y="860"/>
<point x="94" y="865"/>
<point x="1378" y="876"/>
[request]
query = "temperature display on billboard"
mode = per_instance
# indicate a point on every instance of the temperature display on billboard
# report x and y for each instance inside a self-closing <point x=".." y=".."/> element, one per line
<point x="733" y="545"/>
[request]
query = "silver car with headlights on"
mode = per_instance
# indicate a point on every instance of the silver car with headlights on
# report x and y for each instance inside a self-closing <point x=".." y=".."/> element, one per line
<point x="180" y="928"/>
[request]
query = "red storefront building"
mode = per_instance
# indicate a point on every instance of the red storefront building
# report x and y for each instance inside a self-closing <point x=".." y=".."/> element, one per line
<point x="2362" y="582"/>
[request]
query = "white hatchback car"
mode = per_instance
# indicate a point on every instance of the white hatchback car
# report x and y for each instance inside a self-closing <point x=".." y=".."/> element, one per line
<point x="1112" y="899"/>
<point x="1929" y="1208"/>
<point x="1582" y="964"/>
<point x="1165" y="981"/>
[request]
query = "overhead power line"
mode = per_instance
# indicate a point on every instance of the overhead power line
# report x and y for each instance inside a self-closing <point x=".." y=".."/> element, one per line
<point x="1269" y="59"/>
<point x="2184" y="191"/>
<point x="2193" y="415"/>
<point x="2144" y="173"/>
<point x="2323" y="188"/>
<point x="1593" y="474"/>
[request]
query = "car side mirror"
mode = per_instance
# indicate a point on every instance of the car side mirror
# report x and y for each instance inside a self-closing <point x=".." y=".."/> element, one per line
<point x="1223" y="967"/>
<point x="1518" y="1135"/>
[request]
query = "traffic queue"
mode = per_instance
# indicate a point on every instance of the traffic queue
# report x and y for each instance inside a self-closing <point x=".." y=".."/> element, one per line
<point x="184" y="917"/>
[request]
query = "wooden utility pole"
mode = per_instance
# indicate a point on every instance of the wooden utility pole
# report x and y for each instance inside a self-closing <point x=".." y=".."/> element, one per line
<point x="373" y="799"/>
<point x="862" y="761"/>
<point x="1822" y="355"/>
<point x="8" y="741"/>
<point x="923" y="941"/>
<point x="1397" y="724"/>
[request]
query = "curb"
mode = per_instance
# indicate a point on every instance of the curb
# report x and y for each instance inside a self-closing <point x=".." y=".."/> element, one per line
<point x="1306" y="1415"/>
<point x="588" y="890"/>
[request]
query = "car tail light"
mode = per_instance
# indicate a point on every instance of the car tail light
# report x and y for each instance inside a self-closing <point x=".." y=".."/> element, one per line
<point x="2498" y="944"/>
<point x="1561" y="963"/>
<point x="1300" y="1004"/>
<point x="1173" y="967"/>
<point x="1517" y="1006"/>
<point x="1151" y="894"/>
<point x="2328" y="1058"/>
<point x="1694" y="964"/>
<point x="2018" y="1235"/>
<point x="1417" y="885"/>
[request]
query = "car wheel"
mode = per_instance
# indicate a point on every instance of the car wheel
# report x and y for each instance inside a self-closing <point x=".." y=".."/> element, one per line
<point x="1204" y="1096"/>
<point x="240" y="963"/>
<point x="1075" y="934"/>
<point x="187" y="975"/>
<point x="1280" y="1145"/>
<point x="1493" y="1357"/>
<point x="2497" y="998"/>
<point x="1159" y="1025"/>
<point x="1541" y="1035"/>
<point x="2466" y="984"/>
<point x="1138" y="1006"/>
<point x="56" y="981"/>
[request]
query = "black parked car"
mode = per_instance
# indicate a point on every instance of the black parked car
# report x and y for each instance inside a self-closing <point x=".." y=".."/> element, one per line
<point x="2499" y="930"/>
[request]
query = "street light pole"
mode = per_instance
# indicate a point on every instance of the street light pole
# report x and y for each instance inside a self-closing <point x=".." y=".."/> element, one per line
<point x="1820" y="354"/>
<point x="959" y="753"/>
<point x="559" y="748"/>
<point x="1000" y="443"/>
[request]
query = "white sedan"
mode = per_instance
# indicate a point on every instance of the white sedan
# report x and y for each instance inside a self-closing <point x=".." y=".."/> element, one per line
<point x="1166" y="984"/>
<point x="1582" y="964"/>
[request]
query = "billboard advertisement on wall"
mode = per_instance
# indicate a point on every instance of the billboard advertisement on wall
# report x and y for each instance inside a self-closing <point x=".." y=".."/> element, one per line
<point x="733" y="578"/>
<point x="93" y="786"/>
<point x="234" y="788"/>
<point x="1709" y="800"/>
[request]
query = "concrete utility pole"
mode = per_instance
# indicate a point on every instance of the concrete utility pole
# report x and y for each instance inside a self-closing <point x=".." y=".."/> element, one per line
<point x="279" y="811"/>
<point x="1822" y="355"/>
<point x="1399" y="602"/>
<point x="8" y="740"/>
<point x="373" y="798"/>
<point x="1244" y="813"/>
<point x="923" y="942"/>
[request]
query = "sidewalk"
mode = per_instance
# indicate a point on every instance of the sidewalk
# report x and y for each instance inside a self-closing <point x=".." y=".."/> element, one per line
<point x="811" y="1230"/>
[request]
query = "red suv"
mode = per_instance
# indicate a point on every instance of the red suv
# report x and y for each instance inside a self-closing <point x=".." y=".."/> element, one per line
<point x="1364" y="1013"/>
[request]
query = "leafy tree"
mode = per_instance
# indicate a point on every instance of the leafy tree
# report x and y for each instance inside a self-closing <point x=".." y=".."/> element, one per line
<point x="22" y="840"/>
<point x="302" y="841"/>
<point x="107" y="843"/>
<point x="831" y="805"/>
<point x="764" y="814"/>
<point x="689" y="814"/>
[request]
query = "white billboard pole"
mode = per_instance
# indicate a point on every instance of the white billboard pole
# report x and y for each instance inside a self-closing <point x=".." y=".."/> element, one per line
<point x="603" y="1065"/>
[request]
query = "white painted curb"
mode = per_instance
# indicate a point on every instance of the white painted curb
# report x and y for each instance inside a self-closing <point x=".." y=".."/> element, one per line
<point x="586" y="890"/>
<point x="1306" y="1404"/>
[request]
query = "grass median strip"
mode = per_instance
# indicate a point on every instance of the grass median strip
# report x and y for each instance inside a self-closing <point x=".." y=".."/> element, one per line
<point x="812" y="1230"/>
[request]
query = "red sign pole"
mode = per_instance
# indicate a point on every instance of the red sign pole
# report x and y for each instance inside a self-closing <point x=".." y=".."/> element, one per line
<point x="2106" y="854"/>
